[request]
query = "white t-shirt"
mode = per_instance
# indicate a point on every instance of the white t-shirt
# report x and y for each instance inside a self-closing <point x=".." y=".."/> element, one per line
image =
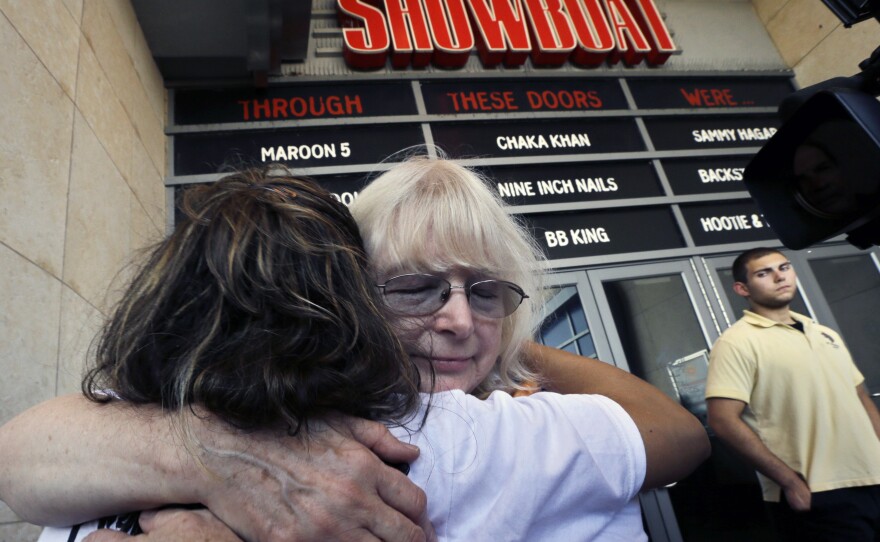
<point x="546" y="467"/>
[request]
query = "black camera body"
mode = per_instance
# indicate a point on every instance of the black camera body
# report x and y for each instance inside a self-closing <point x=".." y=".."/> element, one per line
<point x="843" y="125"/>
<point x="819" y="176"/>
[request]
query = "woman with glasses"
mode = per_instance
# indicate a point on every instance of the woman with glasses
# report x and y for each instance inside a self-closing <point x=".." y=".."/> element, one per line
<point x="454" y="272"/>
<point x="441" y="243"/>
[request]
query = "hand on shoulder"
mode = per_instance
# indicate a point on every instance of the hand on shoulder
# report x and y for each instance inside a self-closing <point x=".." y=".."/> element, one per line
<point x="172" y="525"/>
<point x="329" y="484"/>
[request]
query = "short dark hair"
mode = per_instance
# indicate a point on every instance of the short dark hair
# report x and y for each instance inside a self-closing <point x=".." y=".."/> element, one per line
<point x="740" y="273"/>
<point x="259" y="307"/>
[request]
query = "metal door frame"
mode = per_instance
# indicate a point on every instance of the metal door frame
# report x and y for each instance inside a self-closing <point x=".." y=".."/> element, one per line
<point x="656" y="504"/>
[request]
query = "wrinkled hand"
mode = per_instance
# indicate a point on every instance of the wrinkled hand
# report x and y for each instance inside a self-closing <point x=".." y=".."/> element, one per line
<point x="329" y="485"/>
<point x="172" y="525"/>
<point x="798" y="495"/>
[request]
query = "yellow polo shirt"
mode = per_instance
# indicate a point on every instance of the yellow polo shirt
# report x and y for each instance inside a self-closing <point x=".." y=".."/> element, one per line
<point x="800" y="395"/>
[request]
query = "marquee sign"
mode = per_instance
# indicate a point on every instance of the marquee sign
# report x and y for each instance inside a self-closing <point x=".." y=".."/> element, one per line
<point x="598" y="233"/>
<point x="726" y="222"/>
<point x="586" y="33"/>
<point x="536" y="184"/>
<point x="596" y="167"/>
<point x="536" y="138"/>
<point x="210" y="152"/>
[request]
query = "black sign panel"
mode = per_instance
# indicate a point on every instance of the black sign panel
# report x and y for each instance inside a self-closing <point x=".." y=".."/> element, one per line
<point x="711" y="132"/>
<point x="727" y="222"/>
<point x="468" y="140"/>
<point x="706" y="175"/>
<point x="307" y="147"/>
<point x="709" y="93"/>
<point x="294" y="103"/>
<point x="344" y="188"/>
<point x="597" y="233"/>
<point x="522" y="95"/>
<point x="564" y="183"/>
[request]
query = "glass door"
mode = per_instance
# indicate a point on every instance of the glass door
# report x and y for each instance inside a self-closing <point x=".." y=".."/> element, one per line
<point x="661" y="320"/>
<point x="849" y="281"/>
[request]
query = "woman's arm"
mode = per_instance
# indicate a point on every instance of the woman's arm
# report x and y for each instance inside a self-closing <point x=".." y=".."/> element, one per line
<point x="68" y="460"/>
<point x="675" y="440"/>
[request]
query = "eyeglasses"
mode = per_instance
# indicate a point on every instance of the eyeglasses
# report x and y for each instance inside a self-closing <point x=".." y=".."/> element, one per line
<point x="420" y="295"/>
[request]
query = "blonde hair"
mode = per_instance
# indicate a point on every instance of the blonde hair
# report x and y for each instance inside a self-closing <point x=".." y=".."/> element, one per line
<point x="435" y="202"/>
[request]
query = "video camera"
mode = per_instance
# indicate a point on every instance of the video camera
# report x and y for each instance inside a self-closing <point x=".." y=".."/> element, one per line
<point x="819" y="175"/>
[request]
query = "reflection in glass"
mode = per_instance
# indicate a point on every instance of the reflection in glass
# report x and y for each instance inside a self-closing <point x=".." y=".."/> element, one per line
<point x="688" y="376"/>
<point x="835" y="171"/>
<point x="657" y="325"/>
<point x="819" y="183"/>
<point x="565" y="325"/>
<point x="851" y="285"/>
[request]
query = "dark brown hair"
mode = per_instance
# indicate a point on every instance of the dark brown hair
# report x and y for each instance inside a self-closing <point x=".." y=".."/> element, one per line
<point x="740" y="273"/>
<point x="259" y="307"/>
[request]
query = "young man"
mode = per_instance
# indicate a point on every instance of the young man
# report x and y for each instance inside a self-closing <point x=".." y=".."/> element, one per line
<point x="784" y="392"/>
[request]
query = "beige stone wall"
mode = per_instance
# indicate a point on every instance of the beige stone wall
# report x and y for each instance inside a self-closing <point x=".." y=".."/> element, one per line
<point x="813" y="41"/>
<point x="82" y="163"/>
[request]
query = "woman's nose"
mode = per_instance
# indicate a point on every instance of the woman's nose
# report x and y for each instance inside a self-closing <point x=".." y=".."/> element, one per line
<point x="455" y="315"/>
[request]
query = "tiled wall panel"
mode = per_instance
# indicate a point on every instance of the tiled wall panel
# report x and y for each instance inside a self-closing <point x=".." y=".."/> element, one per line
<point x="82" y="164"/>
